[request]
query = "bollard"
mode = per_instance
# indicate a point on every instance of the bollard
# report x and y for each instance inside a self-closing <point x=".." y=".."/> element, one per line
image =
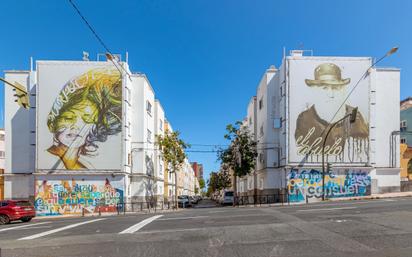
<point x="83" y="211"/>
<point x="124" y="209"/>
<point x="141" y="206"/>
<point x="100" y="213"/>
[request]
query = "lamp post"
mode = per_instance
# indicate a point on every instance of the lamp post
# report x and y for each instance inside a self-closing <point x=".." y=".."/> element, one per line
<point x="352" y="119"/>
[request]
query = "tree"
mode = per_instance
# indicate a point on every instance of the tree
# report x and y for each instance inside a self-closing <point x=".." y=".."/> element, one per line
<point x="172" y="150"/>
<point x="218" y="181"/>
<point x="202" y="183"/>
<point x="240" y="156"/>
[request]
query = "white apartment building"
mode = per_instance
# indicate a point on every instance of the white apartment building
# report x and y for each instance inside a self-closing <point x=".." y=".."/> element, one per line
<point x="297" y="104"/>
<point x="88" y="139"/>
<point x="2" y="162"/>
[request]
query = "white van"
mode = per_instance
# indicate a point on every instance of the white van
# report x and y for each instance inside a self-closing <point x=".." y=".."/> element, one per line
<point x="227" y="197"/>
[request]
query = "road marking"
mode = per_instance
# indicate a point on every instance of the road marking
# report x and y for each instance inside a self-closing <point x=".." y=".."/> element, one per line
<point x="170" y="230"/>
<point x="185" y="218"/>
<point x="328" y="209"/>
<point x="58" y="230"/>
<point x="388" y="200"/>
<point x="24" y="226"/>
<point x="140" y="225"/>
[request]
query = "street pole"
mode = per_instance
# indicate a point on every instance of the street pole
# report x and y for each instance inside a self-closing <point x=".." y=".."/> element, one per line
<point x="352" y="116"/>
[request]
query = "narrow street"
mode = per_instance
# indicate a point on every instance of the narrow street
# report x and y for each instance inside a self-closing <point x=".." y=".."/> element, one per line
<point x="351" y="228"/>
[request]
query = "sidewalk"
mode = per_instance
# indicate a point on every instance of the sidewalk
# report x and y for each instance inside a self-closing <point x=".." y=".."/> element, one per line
<point x="374" y="196"/>
<point x="369" y="197"/>
<point x="104" y="214"/>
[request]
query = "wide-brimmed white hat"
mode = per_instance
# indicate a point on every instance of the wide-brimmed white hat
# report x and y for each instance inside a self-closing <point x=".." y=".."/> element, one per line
<point x="327" y="74"/>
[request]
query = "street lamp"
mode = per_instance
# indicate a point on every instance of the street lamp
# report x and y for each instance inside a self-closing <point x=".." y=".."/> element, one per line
<point x="352" y="119"/>
<point x="351" y="115"/>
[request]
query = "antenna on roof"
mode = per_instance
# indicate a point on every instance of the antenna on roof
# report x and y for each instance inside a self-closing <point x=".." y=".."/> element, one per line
<point x="85" y="56"/>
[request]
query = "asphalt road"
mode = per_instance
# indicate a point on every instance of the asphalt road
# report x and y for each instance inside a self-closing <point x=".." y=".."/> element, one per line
<point x="353" y="228"/>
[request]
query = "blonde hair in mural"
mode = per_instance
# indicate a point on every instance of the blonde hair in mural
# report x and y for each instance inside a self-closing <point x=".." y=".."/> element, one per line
<point x="87" y="110"/>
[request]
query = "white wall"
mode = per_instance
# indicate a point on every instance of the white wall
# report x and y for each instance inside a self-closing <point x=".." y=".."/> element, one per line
<point x="19" y="186"/>
<point x="18" y="140"/>
<point x="2" y="149"/>
<point x="385" y="117"/>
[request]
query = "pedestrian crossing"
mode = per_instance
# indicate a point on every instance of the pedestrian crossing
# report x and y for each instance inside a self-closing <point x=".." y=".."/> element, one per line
<point x="39" y="230"/>
<point x="49" y="232"/>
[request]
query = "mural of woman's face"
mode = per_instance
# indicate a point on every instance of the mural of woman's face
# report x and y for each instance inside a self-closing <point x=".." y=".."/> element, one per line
<point x="74" y="124"/>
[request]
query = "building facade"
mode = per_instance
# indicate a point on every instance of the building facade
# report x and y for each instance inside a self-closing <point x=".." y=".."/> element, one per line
<point x="2" y="162"/>
<point x="88" y="140"/>
<point x="298" y="103"/>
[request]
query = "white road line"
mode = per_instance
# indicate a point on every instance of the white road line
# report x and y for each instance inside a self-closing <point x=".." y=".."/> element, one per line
<point x="139" y="225"/>
<point x="328" y="209"/>
<point x="185" y="218"/>
<point x="24" y="226"/>
<point x="58" y="230"/>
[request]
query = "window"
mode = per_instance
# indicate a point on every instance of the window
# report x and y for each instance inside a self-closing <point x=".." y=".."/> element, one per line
<point x="250" y="120"/>
<point x="260" y="104"/>
<point x="404" y="124"/>
<point x="2" y="154"/>
<point x="261" y="158"/>
<point x="161" y="124"/>
<point x="403" y="141"/>
<point x="261" y="130"/>
<point x="149" y="107"/>
<point x="277" y="123"/>
<point x="1" y="137"/>
<point x="149" y="136"/>
<point x="160" y="168"/>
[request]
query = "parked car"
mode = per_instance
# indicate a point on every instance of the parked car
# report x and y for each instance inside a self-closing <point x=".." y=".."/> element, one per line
<point x="227" y="198"/>
<point x="194" y="199"/>
<point x="11" y="210"/>
<point x="184" y="201"/>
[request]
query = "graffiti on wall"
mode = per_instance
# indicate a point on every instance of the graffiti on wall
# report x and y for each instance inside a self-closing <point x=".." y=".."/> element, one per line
<point x="304" y="184"/>
<point x="60" y="197"/>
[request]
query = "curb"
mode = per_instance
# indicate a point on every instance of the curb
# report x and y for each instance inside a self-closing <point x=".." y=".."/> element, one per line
<point x="112" y="214"/>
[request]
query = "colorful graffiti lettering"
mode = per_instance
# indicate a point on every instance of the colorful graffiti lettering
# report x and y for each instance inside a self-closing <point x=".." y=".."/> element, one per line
<point x="60" y="197"/>
<point x="305" y="184"/>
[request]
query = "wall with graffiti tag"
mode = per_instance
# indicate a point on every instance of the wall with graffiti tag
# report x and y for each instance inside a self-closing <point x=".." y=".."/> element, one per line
<point x="71" y="196"/>
<point x="306" y="185"/>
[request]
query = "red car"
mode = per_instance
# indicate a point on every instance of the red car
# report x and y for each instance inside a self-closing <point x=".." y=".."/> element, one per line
<point x="16" y="210"/>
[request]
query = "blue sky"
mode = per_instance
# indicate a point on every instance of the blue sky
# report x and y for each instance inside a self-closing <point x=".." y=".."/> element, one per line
<point x="205" y="58"/>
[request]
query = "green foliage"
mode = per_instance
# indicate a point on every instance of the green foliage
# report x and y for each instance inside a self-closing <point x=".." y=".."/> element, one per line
<point x="172" y="149"/>
<point x="202" y="183"/>
<point x="240" y="156"/>
<point x="218" y="181"/>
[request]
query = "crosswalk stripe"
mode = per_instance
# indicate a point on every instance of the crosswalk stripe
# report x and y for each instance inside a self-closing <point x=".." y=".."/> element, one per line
<point x="58" y="230"/>
<point x="140" y="225"/>
<point x="24" y="226"/>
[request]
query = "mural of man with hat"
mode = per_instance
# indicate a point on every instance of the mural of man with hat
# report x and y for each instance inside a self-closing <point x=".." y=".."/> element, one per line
<point x="311" y="126"/>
